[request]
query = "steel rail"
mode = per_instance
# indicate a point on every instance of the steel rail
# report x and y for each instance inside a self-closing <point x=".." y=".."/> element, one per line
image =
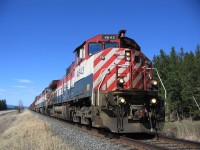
<point x="141" y="144"/>
<point x="193" y="144"/>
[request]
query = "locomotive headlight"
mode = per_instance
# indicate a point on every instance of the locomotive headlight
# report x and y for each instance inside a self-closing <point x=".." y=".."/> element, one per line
<point x="154" y="82"/>
<point x="153" y="101"/>
<point x="128" y="58"/>
<point x="127" y="55"/>
<point x="120" y="80"/>
<point x="122" y="100"/>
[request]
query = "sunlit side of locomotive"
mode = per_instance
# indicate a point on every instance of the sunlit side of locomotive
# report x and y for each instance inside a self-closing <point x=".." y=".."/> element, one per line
<point x="109" y="85"/>
<point x="125" y="94"/>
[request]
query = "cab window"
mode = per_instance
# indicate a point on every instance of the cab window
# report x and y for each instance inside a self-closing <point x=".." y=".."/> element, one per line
<point x="111" y="45"/>
<point x="94" y="48"/>
<point x="80" y="55"/>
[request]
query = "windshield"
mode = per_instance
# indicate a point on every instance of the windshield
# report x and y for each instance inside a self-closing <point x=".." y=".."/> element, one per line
<point x="94" y="48"/>
<point x="111" y="45"/>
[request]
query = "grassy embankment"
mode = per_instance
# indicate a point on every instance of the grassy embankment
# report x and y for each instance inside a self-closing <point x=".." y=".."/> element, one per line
<point x="29" y="132"/>
<point x="186" y="129"/>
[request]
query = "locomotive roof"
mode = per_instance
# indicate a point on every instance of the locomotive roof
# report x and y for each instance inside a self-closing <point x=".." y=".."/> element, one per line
<point x="79" y="46"/>
<point x="94" y="37"/>
<point x="53" y="84"/>
<point x="120" y="35"/>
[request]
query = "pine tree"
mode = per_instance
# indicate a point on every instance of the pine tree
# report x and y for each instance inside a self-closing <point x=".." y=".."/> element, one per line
<point x="195" y="112"/>
<point x="161" y="63"/>
<point x="174" y="85"/>
<point x="5" y="105"/>
<point x="0" y="104"/>
<point x="180" y="75"/>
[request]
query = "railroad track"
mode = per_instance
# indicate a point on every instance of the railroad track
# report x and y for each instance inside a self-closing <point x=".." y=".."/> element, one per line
<point x="163" y="143"/>
<point x="145" y="142"/>
<point x="149" y="143"/>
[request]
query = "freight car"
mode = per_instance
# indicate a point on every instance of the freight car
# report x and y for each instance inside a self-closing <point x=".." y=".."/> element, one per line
<point x="109" y="85"/>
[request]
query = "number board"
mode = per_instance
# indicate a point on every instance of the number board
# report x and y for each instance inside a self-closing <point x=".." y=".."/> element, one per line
<point x="109" y="37"/>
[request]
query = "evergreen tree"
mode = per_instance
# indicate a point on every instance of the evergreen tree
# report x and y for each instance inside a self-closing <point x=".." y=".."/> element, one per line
<point x="180" y="73"/>
<point x="161" y="63"/>
<point x="174" y="84"/>
<point x="0" y="104"/>
<point x="188" y="81"/>
<point x="197" y="66"/>
<point x="195" y="112"/>
<point x="3" y="105"/>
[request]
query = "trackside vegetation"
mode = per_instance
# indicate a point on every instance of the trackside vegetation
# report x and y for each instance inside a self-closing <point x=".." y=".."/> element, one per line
<point x="3" y="105"/>
<point x="180" y="73"/>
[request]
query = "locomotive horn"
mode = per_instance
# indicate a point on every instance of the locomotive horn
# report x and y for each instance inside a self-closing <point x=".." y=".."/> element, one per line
<point x="121" y="33"/>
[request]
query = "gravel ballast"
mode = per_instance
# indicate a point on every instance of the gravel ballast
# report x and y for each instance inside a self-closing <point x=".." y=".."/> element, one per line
<point x="78" y="139"/>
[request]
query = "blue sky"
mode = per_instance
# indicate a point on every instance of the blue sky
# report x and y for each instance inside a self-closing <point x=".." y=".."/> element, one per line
<point x="37" y="37"/>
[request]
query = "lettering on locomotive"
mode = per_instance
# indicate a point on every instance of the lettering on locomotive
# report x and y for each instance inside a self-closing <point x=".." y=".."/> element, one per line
<point x="80" y="71"/>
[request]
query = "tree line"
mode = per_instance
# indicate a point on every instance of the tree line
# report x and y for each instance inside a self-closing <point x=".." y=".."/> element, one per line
<point x="3" y="105"/>
<point x="180" y="73"/>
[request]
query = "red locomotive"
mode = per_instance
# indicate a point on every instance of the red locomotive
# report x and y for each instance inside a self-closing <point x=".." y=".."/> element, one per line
<point x="109" y="85"/>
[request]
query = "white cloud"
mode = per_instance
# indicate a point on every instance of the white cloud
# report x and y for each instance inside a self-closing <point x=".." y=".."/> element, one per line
<point x="23" y="80"/>
<point x="19" y="86"/>
<point x="2" y="91"/>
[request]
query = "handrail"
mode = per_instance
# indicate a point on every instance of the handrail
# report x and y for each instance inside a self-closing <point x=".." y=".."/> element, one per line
<point x="101" y="83"/>
<point x="160" y="81"/>
<point x="103" y="79"/>
<point x="196" y="102"/>
<point x="99" y="77"/>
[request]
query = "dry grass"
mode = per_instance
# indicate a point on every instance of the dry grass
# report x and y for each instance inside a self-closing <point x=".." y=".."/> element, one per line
<point x="29" y="132"/>
<point x="7" y="120"/>
<point x="186" y="129"/>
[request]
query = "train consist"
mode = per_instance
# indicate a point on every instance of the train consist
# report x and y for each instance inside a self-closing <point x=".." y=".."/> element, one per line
<point x="109" y="85"/>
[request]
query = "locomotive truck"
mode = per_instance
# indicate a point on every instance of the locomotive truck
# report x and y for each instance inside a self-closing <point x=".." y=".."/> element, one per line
<point x="109" y="85"/>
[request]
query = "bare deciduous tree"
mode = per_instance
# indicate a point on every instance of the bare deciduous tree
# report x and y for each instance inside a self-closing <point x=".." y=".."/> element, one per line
<point x="20" y="107"/>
